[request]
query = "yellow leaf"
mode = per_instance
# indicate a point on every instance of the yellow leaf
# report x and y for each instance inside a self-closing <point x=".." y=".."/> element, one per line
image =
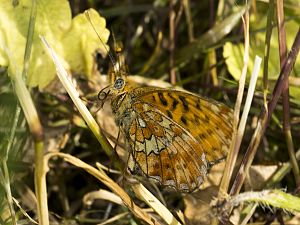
<point x="73" y="40"/>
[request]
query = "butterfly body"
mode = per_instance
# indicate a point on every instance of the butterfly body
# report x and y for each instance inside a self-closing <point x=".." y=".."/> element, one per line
<point x="173" y="135"/>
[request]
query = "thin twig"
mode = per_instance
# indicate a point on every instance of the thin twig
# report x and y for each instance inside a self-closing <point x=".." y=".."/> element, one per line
<point x="285" y="92"/>
<point x="190" y="24"/>
<point x="172" y="43"/>
<point x="267" y="53"/>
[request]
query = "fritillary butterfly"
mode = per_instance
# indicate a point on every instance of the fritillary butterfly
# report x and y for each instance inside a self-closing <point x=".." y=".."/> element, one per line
<point x="174" y="136"/>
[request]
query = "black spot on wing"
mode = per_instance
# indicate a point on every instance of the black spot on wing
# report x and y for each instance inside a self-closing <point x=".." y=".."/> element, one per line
<point x="184" y="103"/>
<point x="169" y="114"/>
<point x="162" y="98"/>
<point x="198" y="105"/>
<point x="183" y="120"/>
<point x="174" y="101"/>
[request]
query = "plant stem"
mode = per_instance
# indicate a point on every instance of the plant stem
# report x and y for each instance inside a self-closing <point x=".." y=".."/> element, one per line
<point x="285" y="93"/>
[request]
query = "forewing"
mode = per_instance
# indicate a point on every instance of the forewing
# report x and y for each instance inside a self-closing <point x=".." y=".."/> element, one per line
<point x="209" y="122"/>
<point x="163" y="150"/>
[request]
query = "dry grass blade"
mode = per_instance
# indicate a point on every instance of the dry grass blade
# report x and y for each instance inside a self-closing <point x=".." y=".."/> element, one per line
<point x="24" y="212"/>
<point x="234" y="148"/>
<point x="102" y="194"/>
<point x="154" y="203"/>
<point x="102" y="176"/>
<point x="65" y="79"/>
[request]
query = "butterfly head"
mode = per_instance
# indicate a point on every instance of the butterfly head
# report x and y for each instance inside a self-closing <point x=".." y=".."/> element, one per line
<point x="118" y="72"/>
<point x="117" y="77"/>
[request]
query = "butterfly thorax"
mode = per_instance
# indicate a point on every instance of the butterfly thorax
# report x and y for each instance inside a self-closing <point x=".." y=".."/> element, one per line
<point x="121" y="108"/>
<point x="121" y="104"/>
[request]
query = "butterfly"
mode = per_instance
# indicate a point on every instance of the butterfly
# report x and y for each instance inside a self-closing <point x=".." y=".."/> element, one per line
<point x="174" y="136"/>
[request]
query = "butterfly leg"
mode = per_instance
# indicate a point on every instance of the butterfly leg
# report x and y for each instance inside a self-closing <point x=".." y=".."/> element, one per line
<point x="117" y="142"/>
<point x="115" y="155"/>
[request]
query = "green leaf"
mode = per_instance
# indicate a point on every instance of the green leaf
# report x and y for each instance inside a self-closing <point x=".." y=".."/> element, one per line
<point x="274" y="198"/>
<point x="74" y="40"/>
<point x="234" y="53"/>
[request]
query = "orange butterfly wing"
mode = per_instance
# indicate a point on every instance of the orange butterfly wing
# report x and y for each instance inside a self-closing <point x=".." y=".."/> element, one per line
<point x="208" y="121"/>
<point x="164" y="151"/>
<point x="174" y="134"/>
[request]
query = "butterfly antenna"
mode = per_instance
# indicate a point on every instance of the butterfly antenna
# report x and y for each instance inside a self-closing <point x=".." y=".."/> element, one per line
<point x="120" y="57"/>
<point x="87" y="15"/>
<point x="116" y="48"/>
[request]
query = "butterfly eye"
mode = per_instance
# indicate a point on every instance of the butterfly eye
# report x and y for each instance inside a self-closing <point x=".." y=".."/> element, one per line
<point x="119" y="83"/>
